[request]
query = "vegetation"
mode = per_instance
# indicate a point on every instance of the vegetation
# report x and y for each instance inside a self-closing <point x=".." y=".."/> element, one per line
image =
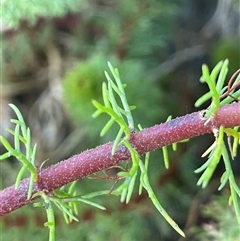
<point x="53" y="73"/>
<point x="127" y="145"/>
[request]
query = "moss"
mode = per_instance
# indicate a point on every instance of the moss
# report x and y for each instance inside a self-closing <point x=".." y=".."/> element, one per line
<point x="227" y="49"/>
<point x="84" y="83"/>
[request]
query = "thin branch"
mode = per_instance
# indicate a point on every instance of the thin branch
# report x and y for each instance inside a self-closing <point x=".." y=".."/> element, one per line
<point x="100" y="158"/>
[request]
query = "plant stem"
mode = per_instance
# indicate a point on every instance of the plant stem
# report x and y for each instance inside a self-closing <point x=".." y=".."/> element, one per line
<point x="99" y="158"/>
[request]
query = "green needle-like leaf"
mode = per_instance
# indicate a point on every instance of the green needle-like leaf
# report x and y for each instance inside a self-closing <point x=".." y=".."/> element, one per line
<point x="16" y="137"/>
<point x="222" y="76"/>
<point x="20" y="119"/>
<point x="107" y="127"/>
<point x="215" y="72"/>
<point x="224" y="179"/>
<point x="91" y="203"/>
<point x="165" y="157"/>
<point x="152" y="196"/>
<point x="5" y="156"/>
<point x="203" y="99"/>
<point x="6" y="144"/>
<point x="20" y="175"/>
<point x="117" y="140"/>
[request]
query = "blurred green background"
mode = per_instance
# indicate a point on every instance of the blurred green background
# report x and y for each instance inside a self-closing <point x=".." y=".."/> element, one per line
<point x="54" y="57"/>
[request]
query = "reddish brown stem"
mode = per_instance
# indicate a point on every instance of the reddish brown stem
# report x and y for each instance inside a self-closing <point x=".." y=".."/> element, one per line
<point x="100" y="158"/>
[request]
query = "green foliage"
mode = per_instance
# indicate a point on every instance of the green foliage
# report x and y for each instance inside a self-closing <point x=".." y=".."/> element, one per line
<point x="113" y="109"/>
<point x="83" y="83"/>
<point x="116" y="106"/>
<point x="215" y="86"/>
<point x="218" y="149"/>
<point x="222" y="226"/>
<point x="153" y="31"/>
<point x="116" y="113"/>
<point x="16" y="10"/>
<point x="132" y="29"/>
<point x="136" y="30"/>
<point x="118" y="224"/>
<point x="218" y="93"/>
<point x="22" y="136"/>
<point x="227" y="48"/>
<point x="66" y="200"/>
